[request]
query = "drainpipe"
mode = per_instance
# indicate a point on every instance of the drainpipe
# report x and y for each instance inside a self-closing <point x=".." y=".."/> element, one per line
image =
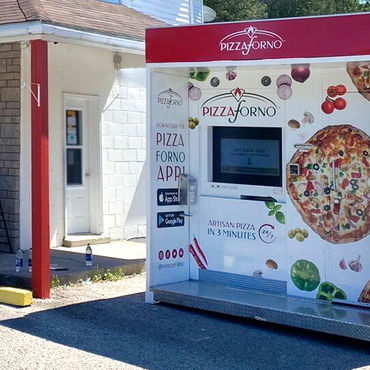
<point x="191" y="11"/>
<point x="40" y="170"/>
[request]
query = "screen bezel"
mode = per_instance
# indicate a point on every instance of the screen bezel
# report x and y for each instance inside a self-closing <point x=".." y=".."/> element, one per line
<point x="251" y="133"/>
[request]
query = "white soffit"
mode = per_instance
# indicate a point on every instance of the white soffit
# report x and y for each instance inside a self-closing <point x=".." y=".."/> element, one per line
<point x="38" y="30"/>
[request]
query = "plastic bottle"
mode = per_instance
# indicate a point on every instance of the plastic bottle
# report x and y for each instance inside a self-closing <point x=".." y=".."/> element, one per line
<point x="89" y="255"/>
<point x="30" y="260"/>
<point x="18" y="260"/>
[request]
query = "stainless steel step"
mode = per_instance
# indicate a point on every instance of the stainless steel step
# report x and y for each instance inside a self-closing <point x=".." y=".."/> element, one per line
<point x="348" y="321"/>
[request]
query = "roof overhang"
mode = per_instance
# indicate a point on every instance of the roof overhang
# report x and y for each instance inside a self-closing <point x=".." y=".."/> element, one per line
<point x="38" y="30"/>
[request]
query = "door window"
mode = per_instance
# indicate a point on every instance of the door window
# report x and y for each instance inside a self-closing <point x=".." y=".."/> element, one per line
<point x="74" y="147"/>
<point x="74" y="167"/>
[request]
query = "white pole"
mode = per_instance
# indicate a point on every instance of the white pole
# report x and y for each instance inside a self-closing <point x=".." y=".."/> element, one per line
<point x="191" y="11"/>
<point x="201" y="12"/>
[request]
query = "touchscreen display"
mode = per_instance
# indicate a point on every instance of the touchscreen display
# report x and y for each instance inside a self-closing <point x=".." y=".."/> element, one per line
<point x="247" y="156"/>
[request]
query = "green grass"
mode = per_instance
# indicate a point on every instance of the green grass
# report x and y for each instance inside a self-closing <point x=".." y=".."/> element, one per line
<point x="108" y="275"/>
<point x="55" y="282"/>
<point x="97" y="277"/>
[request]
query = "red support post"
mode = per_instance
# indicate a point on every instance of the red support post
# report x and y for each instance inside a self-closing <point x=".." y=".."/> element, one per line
<point x="40" y="170"/>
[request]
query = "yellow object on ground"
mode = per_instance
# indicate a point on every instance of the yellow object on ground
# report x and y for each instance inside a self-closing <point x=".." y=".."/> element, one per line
<point x="15" y="296"/>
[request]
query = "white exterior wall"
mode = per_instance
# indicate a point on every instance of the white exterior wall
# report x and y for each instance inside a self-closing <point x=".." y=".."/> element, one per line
<point x="123" y="158"/>
<point x="173" y="12"/>
<point x="88" y="71"/>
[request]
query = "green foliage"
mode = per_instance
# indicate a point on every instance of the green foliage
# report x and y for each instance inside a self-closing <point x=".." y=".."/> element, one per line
<point x="299" y="8"/>
<point x="108" y="275"/>
<point x="55" y="281"/>
<point x="230" y="10"/>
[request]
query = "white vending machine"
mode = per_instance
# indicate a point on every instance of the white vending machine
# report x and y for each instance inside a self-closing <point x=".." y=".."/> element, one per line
<point x="259" y="180"/>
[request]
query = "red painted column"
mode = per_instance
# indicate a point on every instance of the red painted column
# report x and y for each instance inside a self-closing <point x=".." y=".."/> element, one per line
<point x="40" y="171"/>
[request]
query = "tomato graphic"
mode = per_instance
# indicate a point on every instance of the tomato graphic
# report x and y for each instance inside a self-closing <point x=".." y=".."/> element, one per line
<point x="341" y="89"/>
<point x="332" y="91"/>
<point x="340" y="103"/>
<point x="328" y="106"/>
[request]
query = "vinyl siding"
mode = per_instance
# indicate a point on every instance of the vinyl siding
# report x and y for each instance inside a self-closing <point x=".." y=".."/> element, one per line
<point x="172" y="12"/>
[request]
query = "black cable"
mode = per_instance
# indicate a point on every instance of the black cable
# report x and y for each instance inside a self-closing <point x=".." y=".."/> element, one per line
<point x="24" y="15"/>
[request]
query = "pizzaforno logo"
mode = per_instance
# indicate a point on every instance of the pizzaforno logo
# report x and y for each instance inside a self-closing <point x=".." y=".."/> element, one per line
<point x="251" y="39"/>
<point x="238" y="103"/>
<point x="170" y="98"/>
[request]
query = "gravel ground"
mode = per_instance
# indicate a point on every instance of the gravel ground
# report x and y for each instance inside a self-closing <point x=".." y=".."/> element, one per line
<point x="38" y="343"/>
<point x="108" y="326"/>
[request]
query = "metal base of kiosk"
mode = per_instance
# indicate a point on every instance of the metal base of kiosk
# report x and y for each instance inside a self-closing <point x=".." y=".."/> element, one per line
<point x="348" y="321"/>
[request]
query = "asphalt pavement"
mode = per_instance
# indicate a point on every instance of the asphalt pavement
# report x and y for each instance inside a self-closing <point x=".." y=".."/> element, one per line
<point x="108" y="326"/>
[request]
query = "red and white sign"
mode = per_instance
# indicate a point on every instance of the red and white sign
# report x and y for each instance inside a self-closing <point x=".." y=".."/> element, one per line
<point x="329" y="36"/>
<point x="250" y="39"/>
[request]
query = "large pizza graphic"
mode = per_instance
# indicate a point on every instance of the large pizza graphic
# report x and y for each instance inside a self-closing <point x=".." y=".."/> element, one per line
<point x="332" y="192"/>
<point x="360" y="75"/>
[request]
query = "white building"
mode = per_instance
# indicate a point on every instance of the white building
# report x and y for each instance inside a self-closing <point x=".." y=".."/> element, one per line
<point x="173" y="12"/>
<point x="96" y="113"/>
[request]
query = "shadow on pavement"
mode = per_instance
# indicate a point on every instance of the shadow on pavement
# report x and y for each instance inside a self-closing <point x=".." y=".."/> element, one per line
<point x="167" y="337"/>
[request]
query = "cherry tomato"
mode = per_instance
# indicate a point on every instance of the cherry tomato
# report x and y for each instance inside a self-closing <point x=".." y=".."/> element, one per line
<point x="340" y="103"/>
<point x="332" y="91"/>
<point x="327" y="106"/>
<point x="341" y="89"/>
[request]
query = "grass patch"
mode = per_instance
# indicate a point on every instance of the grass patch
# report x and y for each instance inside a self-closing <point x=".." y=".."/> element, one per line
<point x="55" y="282"/>
<point x="108" y="275"/>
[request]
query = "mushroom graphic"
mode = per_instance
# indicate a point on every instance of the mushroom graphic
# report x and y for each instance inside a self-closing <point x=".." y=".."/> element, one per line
<point x="308" y="117"/>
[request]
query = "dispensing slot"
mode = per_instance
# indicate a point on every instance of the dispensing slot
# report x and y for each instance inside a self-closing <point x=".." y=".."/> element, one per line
<point x="188" y="189"/>
<point x="258" y="198"/>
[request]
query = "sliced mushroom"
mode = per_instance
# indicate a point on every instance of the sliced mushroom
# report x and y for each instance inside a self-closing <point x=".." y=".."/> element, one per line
<point x="315" y="202"/>
<point x="344" y="166"/>
<point x="308" y="117"/>
<point x="324" y="180"/>
<point x="257" y="273"/>
<point x="311" y="177"/>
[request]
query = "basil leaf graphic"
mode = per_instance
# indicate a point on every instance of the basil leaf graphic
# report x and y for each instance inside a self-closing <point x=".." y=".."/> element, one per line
<point x="270" y="205"/>
<point x="280" y="217"/>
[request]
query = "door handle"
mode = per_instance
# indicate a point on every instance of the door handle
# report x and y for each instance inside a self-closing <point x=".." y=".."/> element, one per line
<point x="87" y="174"/>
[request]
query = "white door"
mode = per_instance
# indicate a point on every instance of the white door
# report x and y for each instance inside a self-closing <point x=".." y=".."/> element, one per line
<point x="76" y="166"/>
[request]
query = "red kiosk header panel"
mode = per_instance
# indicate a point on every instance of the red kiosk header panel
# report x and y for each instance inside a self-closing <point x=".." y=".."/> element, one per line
<point x="329" y="36"/>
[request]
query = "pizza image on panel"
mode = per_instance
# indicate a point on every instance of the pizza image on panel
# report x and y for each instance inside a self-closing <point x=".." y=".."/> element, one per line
<point x="365" y="294"/>
<point x="332" y="190"/>
<point x="360" y="75"/>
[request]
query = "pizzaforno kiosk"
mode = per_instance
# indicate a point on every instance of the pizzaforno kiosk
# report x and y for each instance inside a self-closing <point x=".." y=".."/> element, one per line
<point x="259" y="170"/>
